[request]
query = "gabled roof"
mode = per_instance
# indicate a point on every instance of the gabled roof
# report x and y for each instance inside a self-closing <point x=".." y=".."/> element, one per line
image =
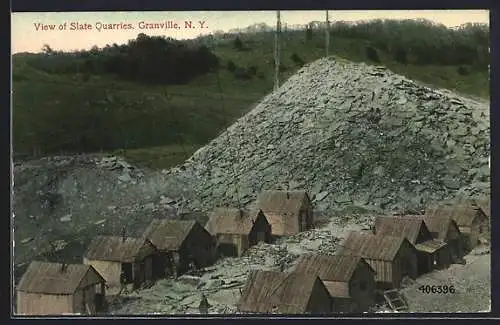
<point x="330" y="267"/>
<point x="375" y="247"/>
<point x="463" y="214"/>
<point x="232" y="221"/>
<point x="168" y="234"/>
<point x="277" y="292"/>
<point x="408" y="226"/>
<point x="439" y="226"/>
<point x="282" y="201"/>
<point x="118" y="249"/>
<point x="51" y="278"/>
<point x="484" y="203"/>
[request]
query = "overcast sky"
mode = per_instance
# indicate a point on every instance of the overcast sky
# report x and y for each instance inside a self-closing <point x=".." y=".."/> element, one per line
<point x="26" y="37"/>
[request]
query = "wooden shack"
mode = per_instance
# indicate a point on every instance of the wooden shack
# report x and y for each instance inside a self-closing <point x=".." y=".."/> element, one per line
<point x="270" y="292"/>
<point x="350" y="280"/>
<point x="121" y="260"/>
<point x="236" y="230"/>
<point x="446" y="229"/>
<point x="180" y="245"/>
<point x="56" y="289"/>
<point x="470" y="219"/>
<point x="392" y="258"/>
<point x="288" y="212"/>
<point x="484" y="203"/>
<point x="432" y="253"/>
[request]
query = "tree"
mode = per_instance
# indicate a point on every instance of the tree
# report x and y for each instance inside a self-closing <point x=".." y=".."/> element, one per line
<point x="309" y="32"/>
<point x="238" y="44"/>
<point x="46" y="49"/>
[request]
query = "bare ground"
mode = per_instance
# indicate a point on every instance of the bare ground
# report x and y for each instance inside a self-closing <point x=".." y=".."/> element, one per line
<point x="471" y="281"/>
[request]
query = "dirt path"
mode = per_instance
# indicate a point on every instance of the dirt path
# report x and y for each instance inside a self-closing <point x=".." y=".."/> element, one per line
<point x="471" y="282"/>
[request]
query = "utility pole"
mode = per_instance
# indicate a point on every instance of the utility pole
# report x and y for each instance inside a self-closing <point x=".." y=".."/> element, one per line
<point x="277" y="51"/>
<point x="327" y="34"/>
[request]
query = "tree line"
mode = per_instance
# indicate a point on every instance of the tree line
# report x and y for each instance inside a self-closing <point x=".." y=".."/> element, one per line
<point x="146" y="59"/>
<point x="421" y="42"/>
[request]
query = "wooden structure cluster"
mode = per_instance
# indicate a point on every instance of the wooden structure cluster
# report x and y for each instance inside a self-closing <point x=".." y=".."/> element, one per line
<point x="167" y="248"/>
<point x="370" y="266"/>
<point x="349" y="281"/>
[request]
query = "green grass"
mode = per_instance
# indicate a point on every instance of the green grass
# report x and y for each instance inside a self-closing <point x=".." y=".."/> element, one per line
<point x="191" y="114"/>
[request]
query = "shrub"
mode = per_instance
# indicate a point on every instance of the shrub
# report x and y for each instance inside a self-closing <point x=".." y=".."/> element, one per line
<point x="238" y="44"/>
<point x="372" y="54"/>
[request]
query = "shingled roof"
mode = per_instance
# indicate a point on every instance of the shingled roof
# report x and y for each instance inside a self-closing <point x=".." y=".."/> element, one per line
<point x="231" y="221"/>
<point x="330" y="267"/>
<point x="439" y="226"/>
<point x="281" y="201"/>
<point x="463" y="214"/>
<point x="51" y="278"/>
<point x="408" y="226"/>
<point x="119" y="249"/>
<point x="277" y="292"/>
<point x="371" y="246"/>
<point x="168" y="234"/>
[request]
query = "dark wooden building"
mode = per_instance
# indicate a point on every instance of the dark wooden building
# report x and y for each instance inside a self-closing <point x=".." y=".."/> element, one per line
<point x="470" y="219"/>
<point x="236" y="230"/>
<point x="57" y="289"/>
<point x="272" y="292"/>
<point x="432" y="253"/>
<point x="392" y="258"/>
<point x="121" y="260"/>
<point x="180" y="245"/>
<point x="350" y="280"/>
<point x="446" y="229"/>
<point x="288" y="212"/>
<point x="484" y="203"/>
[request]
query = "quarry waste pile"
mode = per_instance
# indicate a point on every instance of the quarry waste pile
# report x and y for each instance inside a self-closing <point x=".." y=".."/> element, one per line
<point x="351" y="135"/>
<point x="358" y="138"/>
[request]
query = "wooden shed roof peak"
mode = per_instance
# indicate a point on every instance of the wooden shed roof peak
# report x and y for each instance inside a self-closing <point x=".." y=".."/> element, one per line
<point x="337" y="267"/>
<point x="54" y="278"/>
<point x="168" y="234"/>
<point x="281" y="201"/>
<point x="226" y="220"/>
<point x="118" y="249"/>
<point x="277" y="292"/>
<point x="376" y="247"/>
<point x="408" y="226"/>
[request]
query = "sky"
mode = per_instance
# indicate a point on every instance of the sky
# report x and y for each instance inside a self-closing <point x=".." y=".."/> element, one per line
<point x="82" y="30"/>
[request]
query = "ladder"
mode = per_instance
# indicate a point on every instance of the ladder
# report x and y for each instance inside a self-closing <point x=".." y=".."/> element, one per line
<point x="395" y="300"/>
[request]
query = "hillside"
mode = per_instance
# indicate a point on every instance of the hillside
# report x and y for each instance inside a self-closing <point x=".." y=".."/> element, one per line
<point x="317" y="132"/>
<point x="99" y="153"/>
<point x="58" y="96"/>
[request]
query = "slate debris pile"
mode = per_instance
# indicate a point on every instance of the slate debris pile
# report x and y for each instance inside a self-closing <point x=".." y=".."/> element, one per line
<point x="358" y="138"/>
<point x="351" y="135"/>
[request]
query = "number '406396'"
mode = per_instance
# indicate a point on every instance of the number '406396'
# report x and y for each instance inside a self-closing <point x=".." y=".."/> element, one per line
<point x="436" y="289"/>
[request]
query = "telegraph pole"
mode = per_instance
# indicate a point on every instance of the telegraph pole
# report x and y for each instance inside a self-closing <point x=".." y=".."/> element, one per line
<point x="277" y="51"/>
<point x="327" y="34"/>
